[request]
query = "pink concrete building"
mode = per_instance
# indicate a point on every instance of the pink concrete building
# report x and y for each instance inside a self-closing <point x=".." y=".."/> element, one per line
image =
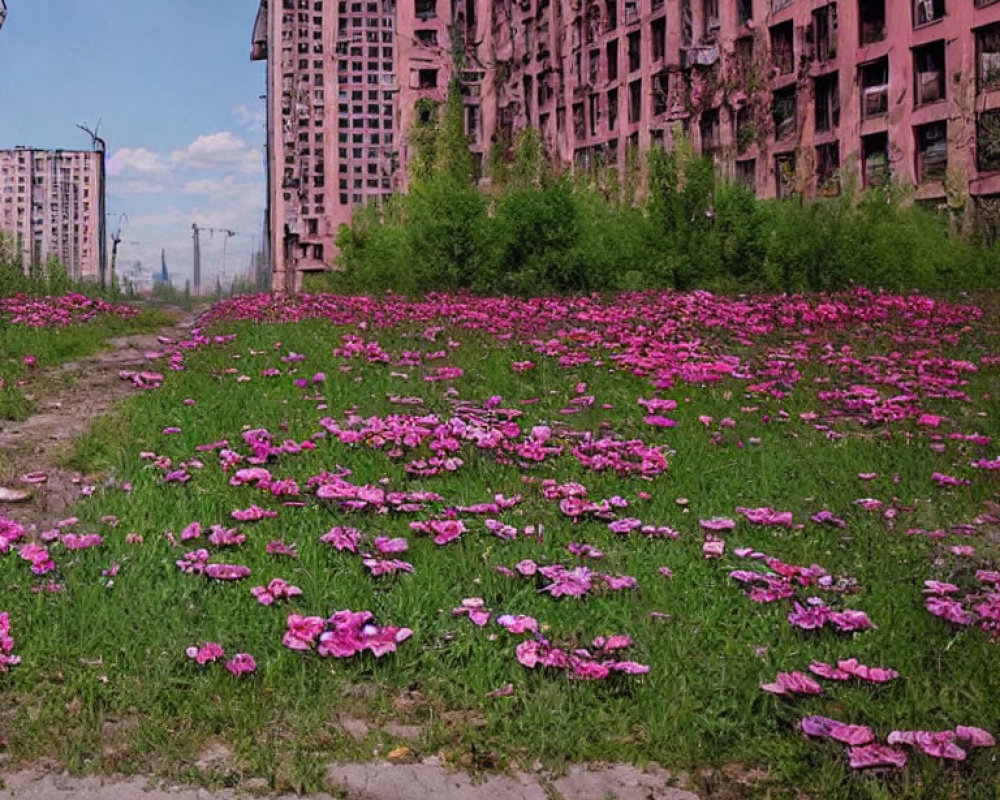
<point x="788" y="96"/>
<point x="51" y="202"/>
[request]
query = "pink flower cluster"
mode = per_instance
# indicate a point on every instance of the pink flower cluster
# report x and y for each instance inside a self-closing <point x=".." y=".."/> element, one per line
<point x="980" y="608"/>
<point x="7" y="657"/>
<point x="595" y="664"/>
<point x="346" y="633"/>
<point x="58" y="312"/>
<point x="788" y="683"/>
<point x="276" y="589"/>
<point x="209" y="652"/>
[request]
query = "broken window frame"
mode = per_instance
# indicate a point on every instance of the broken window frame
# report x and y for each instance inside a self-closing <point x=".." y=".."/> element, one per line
<point x="988" y="60"/>
<point x="926" y="12"/>
<point x="873" y="84"/>
<point x="784" y="112"/>
<point x="782" y="40"/>
<point x="872" y="26"/>
<point x="876" y="169"/>
<point x="988" y="141"/>
<point x="784" y="175"/>
<point x="828" y="169"/>
<point x="826" y="102"/>
<point x="931" y="151"/>
<point x="929" y="73"/>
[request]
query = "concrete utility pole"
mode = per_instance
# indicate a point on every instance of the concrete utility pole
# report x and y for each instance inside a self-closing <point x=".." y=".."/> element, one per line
<point x="116" y="239"/>
<point x="196" y="235"/>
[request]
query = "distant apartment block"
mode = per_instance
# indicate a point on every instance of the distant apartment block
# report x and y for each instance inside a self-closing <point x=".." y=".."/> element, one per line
<point x="51" y="202"/>
<point x="788" y="97"/>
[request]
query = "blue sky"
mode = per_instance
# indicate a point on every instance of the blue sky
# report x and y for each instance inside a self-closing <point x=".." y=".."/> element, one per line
<point x="178" y="101"/>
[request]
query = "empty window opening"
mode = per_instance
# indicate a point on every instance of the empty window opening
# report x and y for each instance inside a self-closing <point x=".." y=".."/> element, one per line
<point x="427" y="37"/>
<point x="782" y="48"/>
<point x="874" y="80"/>
<point x="612" y="109"/>
<point x="658" y="33"/>
<point x="635" y="101"/>
<point x="634" y="51"/>
<point x="744" y="11"/>
<point x="826" y="94"/>
<point x="746" y="130"/>
<point x="427" y="78"/>
<point x="932" y="151"/>
<point x="426" y="9"/>
<point x="926" y="11"/>
<point x="612" y="53"/>
<point x="711" y="131"/>
<point x="828" y="169"/>
<point x="746" y="173"/>
<point x="783" y="112"/>
<point x="988" y="57"/>
<point x="928" y="70"/>
<point x="784" y="175"/>
<point x="824" y="33"/>
<point x="711" y="11"/>
<point x="988" y="141"/>
<point x="875" y="159"/>
<point x="871" y="14"/>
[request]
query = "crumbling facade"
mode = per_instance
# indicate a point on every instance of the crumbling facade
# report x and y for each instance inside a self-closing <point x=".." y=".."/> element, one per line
<point x="52" y="202"/>
<point x="787" y="96"/>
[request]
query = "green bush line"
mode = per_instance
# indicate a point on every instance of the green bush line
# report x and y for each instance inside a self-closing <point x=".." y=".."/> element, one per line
<point x="537" y="231"/>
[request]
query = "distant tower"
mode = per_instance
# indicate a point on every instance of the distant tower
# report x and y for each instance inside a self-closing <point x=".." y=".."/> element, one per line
<point x="164" y="275"/>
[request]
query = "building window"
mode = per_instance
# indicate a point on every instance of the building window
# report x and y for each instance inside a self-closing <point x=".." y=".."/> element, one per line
<point x="711" y="9"/>
<point x="932" y="151"/>
<point x="427" y="78"/>
<point x="746" y="131"/>
<point x="635" y="101"/>
<point x="612" y="53"/>
<point x="634" y="51"/>
<point x="593" y="113"/>
<point x="874" y="80"/>
<point x="875" y="159"/>
<point x="426" y="9"/>
<point x="988" y="57"/>
<point x="744" y="11"/>
<point x="928" y="70"/>
<point x="824" y="33"/>
<point x="746" y="174"/>
<point x="658" y="33"/>
<point x="784" y="175"/>
<point x="871" y="15"/>
<point x="828" y="169"/>
<point x="925" y="11"/>
<point x="611" y="15"/>
<point x="711" y="131"/>
<point x="783" y="112"/>
<point x="612" y="109"/>
<point x="826" y="92"/>
<point x="782" y="48"/>
<point x="988" y="141"/>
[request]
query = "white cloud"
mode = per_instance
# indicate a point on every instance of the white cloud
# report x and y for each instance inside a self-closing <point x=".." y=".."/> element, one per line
<point x="252" y="118"/>
<point x="223" y="151"/>
<point x="136" y="159"/>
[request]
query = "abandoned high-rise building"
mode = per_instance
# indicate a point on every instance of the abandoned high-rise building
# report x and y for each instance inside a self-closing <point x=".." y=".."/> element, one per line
<point x="787" y="96"/>
<point x="51" y="202"/>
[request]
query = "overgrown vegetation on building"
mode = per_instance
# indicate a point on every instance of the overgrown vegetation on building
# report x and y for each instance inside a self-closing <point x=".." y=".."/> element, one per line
<point x="540" y="230"/>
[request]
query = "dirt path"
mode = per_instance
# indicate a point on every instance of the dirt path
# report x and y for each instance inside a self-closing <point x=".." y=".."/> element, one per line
<point x="67" y="400"/>
<point x="377" y="782"/>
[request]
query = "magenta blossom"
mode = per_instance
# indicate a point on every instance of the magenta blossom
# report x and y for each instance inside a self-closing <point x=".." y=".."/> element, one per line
<point x="241" y="664"/>
<point x="203" y="654"/>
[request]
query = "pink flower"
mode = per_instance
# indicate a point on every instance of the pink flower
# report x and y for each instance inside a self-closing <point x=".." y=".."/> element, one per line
<point x="475" y="609"/>
<point x="203" y="654"/>
<point x="227" y="572"/>
<point x="838" y="731"/>
<point x="241" y="664"/>
<point x="302" y="631"/>
<point x="518" y="623"/>
<point x="792" y="683"/>
<point x="386" y="545"/>
<point x="717" y="524"/>
<point x="875" y="755"/>
<point x="342" y="538"/>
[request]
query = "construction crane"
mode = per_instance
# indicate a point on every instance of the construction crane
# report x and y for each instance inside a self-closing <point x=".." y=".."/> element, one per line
<point x="196" y="236"/>
<point x="3" y="11"/>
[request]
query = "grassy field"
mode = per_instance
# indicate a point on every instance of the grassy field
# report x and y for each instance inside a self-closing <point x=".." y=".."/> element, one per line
<point x="36" y="333"/>
<point x="676" y="410"/>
